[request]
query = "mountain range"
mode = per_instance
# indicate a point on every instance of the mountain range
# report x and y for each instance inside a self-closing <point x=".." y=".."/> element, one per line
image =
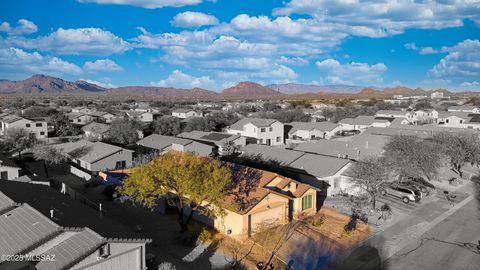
<point x="51" y="85"/>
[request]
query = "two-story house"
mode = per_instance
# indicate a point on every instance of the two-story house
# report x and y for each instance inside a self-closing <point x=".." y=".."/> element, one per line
<point x="86" y="158"/>
<point x="262" y="131"/>
<point x="35" y="126"/>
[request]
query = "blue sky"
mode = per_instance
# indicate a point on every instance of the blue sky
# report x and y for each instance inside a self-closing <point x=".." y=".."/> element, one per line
<point x="216" y="44"/>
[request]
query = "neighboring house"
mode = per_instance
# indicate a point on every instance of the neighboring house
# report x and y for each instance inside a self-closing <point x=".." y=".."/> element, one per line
<point x="86" y="158"/>
<point x="79" y="118"/>
<point x="263" y="131"/>
<point x="84" y="110"/>
<point x="186" y="113"/>
<point x="38" y="127"/>
<point x="436" y="95"/>
<point x="272" y="200"/>
<point x="96" y="131"/>
<point x="219" y="140"/>
<point x="40" y="221"/>
<point x="102" y="116"/>
<point x="362" y="122"/>
<point x="306" y="131"/>
<point x="140" y="116"/>
<point x="162" y="144"/>
<point x="464" y="108"/>
<point x="8" y="169"/>
<point x="33" y="179"/>
<point x="315" y="114"/>
<point x="357" y="148"/>
<point x="392" y="113"/>
<point x="320" y="171"/>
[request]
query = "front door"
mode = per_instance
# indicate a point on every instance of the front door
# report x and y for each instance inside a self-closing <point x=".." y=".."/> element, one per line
<point x="4" y="175"/>
<point x="269" y="142"/>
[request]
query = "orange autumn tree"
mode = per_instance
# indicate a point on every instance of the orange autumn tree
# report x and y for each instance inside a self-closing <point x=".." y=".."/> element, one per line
<point x="183" y="180"/>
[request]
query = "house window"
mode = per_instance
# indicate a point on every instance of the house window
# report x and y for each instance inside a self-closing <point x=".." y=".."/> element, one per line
<point x="270" y="129"/>
<point x="446" y="121"/>
<point x="262" y="130"/>
<point x="38" y="124"/>
<point x="121" y="164"/>
<point x="279" y="139"/>
<point x="306" y="202"/>
<point x="461" y="121"/>
<point x="27" y="125"/>
<point x="42" y="133"/>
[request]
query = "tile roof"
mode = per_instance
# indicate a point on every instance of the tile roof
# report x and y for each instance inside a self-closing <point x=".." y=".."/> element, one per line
<point x="359" y="120"/>
<point x="323" y="126"/>
<point x="360" y="146"/>
<point x="161" y="142"/>
<point x="319" y="166"/>
<point x="76" y="246"/>
<point x="258" y="122"/>
<point x="268" y="153"/>
<point x="22" y="228"/>
<point x="11" y="118"/>
<point x="90" y="152"/>
<point x="98" y="128"/>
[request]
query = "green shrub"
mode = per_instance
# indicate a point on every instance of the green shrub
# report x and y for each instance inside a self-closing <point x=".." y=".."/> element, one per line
<point x="205" y="235"/>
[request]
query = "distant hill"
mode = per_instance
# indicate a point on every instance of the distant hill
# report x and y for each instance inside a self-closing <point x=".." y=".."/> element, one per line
<point x="295" y="88"/>
<point x="46" y="84"/>
<point x="249" y="89"/>
<point x="162" y="91"/>
<point x="51" y="85"/>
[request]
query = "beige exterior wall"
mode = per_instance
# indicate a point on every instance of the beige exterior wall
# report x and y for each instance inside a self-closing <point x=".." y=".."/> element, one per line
<point x="124" y="256"/>
<point x="12" y="172"/>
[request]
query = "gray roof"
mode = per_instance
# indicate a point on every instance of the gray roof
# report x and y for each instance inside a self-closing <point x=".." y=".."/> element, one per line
<point x="11" y="118"/>
<point x="161" y="142"/>
<point x="269" y="153"/>
<point x="5" y="202"/>
<point x="462" y="107"/>
<point x="183" y="110"/>
<point x="258" y="122"/>
<point x="74" y="115"/>
<point x="319" y="166"/>
<point x="361" y="120"/>
<point x="88" y="151"/>
<point x="22" y="228"/>
<point x="5" y="161"/>
<point x="70" y="247"/>
<point x="391" y="112"/>
<point x="362" y="145"/>
<point x="322" y="126"/>
<point x="95" y="127"/>
<point x="214" y="137"/>
<point x="98" y="113"/>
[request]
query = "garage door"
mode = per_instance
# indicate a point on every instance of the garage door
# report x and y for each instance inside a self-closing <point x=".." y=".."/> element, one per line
<point x="271" y="216"/>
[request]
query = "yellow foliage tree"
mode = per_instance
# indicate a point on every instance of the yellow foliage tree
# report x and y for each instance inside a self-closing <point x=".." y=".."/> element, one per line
<point x="183" y="180"/>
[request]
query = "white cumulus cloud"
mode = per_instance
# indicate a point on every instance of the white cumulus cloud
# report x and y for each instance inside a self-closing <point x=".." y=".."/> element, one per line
<point x="102" y="65"/>
<point x="334" y="72"/>
<point x="24" y="27"/>
<point x="151" y="4"/>
<point x="15" y="62"/>
<point x="84" y="41"/>
<point x="462" y="61"/>
<point x="182" y="80"/>
<point x="191" y="19"/>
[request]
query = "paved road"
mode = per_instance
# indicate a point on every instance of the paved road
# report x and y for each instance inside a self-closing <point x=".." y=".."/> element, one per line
<point x="441" y="247"/>
<point x="400" y="246"/>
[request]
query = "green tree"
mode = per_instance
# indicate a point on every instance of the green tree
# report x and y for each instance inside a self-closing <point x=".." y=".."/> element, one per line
<point x="167" y="125"/>
<point x="370" y="174"/>
<point x="409" y="156"/>
<point x="184" y="180"/>
<point x="20" y="139"/>
<point x="63" y="127"/>
<point x="49" y="155"/>
<point x="123" y="132"/>
<point x="459" y="148"/>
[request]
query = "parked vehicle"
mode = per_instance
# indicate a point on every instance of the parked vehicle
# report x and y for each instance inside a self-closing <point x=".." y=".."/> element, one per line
<point x="414" y="185"/>
<point x="406" y="194"/>
<point x="422" y="181"/>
